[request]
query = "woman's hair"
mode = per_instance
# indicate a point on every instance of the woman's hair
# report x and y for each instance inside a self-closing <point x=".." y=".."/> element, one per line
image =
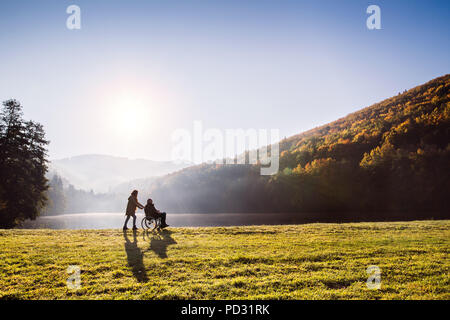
<point x="134" y="193"/>
<point x="149" y="200"/>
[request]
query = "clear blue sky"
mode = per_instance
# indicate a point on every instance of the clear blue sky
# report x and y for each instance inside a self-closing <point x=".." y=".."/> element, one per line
<point x="291" y="65"/>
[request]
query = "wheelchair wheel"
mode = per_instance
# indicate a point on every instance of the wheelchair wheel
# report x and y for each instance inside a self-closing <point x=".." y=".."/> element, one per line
<point x="148" y="223"/>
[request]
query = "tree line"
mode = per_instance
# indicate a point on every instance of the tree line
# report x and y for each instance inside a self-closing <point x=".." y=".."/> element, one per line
<point x="64" y="198"/>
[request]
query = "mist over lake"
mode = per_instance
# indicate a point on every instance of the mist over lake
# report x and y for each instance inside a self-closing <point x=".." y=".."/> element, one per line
<point x="116" y="220"/>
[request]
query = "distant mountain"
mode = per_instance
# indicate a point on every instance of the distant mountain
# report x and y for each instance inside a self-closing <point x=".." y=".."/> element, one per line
<point x="103" y="173"/>
<point x="387" y="161"/>
<point x="139" y="184"/>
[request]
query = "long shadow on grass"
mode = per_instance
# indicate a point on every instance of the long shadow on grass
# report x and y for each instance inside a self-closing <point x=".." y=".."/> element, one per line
<point x="160" y="241"/>
<point x="135" y="258"/>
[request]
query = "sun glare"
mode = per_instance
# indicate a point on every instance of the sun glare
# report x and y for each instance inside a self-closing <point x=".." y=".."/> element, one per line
<point x="129" y="115"/>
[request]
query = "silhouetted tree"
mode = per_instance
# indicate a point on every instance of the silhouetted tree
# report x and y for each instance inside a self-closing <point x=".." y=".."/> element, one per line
<point x="23" y="164"/>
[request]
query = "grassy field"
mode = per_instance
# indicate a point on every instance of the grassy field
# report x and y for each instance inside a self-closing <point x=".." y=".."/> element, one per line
<point x="313" y="261"/>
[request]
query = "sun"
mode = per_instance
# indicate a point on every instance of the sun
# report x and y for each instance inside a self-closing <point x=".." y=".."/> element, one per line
<point x="129" y="115"/>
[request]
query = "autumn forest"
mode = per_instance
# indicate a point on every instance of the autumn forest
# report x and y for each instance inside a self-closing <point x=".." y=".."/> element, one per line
<point x="387" y="161"/>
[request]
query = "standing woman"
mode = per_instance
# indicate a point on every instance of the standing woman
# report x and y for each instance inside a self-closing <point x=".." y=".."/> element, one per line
<point x="133" y="203"/>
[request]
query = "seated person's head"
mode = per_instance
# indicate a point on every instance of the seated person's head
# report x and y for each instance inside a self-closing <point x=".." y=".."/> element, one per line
<point x="149" y="201"/>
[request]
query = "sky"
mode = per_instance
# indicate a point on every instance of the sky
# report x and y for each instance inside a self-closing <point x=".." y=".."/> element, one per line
<point x="137" y="71"/>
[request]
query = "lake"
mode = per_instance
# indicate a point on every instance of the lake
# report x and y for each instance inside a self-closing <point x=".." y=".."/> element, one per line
<point x="116" y="220"/>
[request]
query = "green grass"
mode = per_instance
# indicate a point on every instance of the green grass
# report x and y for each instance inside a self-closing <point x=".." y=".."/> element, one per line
<point x="313" y="261"/>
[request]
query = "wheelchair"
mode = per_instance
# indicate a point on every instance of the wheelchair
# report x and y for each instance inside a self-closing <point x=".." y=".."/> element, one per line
<point x="151" y="223"/>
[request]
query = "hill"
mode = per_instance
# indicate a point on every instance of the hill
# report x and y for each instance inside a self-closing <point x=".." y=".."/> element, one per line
<point x="387" y="161"/>
<point x="102" y="173"/>
<point x="315" y="261"/>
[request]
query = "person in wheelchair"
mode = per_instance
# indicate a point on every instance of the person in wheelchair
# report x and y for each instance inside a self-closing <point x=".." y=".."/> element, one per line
<point x="151" y="211"/>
